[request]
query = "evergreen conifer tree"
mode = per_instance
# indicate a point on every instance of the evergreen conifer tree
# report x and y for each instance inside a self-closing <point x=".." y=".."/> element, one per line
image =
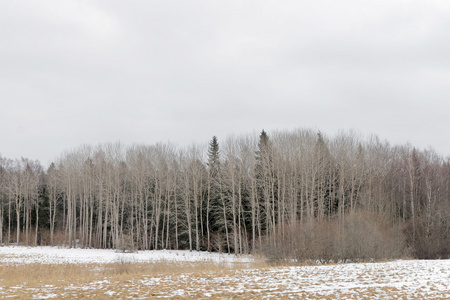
<point x="263" y="183"/>
<point x="217" y="226"/>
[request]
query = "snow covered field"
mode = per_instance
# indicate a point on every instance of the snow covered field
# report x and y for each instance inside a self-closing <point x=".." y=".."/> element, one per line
<point x="402" y="279"/>
<point x="54" y="255"/>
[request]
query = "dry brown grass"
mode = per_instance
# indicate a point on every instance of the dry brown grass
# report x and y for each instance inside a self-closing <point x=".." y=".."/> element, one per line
<point x="195" y="280"/>
<point x="21" y="281"/>
<point x="51" y="274"/>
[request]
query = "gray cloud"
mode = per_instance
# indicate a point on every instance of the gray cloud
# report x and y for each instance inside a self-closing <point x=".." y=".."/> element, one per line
<point x="74" y="72"/>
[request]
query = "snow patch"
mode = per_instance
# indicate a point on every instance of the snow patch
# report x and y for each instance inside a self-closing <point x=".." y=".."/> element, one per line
<point x="54" y="255"/>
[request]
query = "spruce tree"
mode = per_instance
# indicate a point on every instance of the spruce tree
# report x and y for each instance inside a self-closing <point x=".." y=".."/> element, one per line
<point x="213" y="157"/>
<point x="263" y="184"/>
<point x="217" y="226"/>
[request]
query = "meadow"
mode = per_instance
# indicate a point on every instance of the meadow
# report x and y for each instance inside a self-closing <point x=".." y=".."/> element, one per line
<point x="50" y="272"/>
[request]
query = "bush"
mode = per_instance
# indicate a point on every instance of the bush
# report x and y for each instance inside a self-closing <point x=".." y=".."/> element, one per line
<point x="431" y="240"/>
<point x="125" y="245"/>
<point x="360" y="236"/>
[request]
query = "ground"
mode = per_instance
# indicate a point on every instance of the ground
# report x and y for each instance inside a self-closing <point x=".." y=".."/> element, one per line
<point x="48" y="272"/>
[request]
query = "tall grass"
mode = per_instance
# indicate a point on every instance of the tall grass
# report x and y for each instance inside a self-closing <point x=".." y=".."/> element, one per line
<point x="36" y="274"/>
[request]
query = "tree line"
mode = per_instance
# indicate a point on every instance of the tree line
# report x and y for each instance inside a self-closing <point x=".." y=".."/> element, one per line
<point x="293" y="194"/>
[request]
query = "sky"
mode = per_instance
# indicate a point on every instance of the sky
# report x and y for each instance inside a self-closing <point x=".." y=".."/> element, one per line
<point x="76" y="72"/>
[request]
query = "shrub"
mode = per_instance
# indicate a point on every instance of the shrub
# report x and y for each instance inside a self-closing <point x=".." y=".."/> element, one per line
<point x="360" y="236"/>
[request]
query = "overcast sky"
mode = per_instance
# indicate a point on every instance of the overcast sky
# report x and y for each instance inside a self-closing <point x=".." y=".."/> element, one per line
<point x="78" y="72"/>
